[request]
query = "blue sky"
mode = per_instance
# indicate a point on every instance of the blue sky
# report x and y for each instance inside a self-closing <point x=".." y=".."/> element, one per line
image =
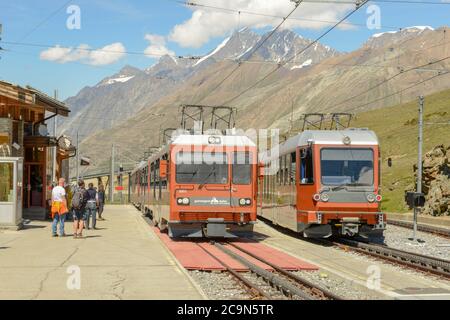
<point x="106" y="22"/>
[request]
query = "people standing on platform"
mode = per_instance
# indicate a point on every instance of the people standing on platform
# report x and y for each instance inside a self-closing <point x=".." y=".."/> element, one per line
<point x="101" y="201"/>
<point x="79" y="202"/>
<point x="91" y="209"/>
<point x="59" y="208"/>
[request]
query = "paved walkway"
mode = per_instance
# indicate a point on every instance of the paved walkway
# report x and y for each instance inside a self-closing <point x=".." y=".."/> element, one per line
<point x="124" y="259"/>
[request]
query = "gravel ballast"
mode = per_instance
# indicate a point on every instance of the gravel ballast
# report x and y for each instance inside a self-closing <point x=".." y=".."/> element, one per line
<point x="428" y="244"/>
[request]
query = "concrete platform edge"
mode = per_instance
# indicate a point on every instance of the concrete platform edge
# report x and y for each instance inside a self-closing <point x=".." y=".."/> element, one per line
<point x="183" y="270"/>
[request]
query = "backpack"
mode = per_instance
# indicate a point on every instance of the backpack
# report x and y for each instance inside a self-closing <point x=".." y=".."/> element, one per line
<point x="77" y="200"/>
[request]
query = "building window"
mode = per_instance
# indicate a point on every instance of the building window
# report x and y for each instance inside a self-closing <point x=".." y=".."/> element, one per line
<point x="21" y="96"/>
<point x="6" y="182"/>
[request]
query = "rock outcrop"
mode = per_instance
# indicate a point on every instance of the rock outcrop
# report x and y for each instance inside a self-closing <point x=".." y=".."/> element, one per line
<point x="436" y="181"/>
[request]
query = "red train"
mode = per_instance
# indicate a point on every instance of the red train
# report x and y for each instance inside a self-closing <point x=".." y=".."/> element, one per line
<point x="200" y="185"/>
<point x="324" y="183"/>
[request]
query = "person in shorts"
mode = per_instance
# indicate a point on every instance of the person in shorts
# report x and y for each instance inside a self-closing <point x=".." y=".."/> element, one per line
<point x="79" y="202"/>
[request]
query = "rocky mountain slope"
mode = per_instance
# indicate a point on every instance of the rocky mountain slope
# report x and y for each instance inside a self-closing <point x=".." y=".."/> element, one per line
<point x="322" y="80"/>
<point x="121" y="96"/>
<point x="436" y="181"/>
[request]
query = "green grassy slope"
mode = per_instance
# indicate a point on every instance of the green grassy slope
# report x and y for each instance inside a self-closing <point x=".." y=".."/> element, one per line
<point x="397" y="130"/>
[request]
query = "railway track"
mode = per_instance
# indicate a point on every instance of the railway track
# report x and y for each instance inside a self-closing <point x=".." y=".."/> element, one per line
<point x="432" y="265"/>
<point x="443" y="232"/>
<point x="285" y="283"/>
<point x="415" y="261"/>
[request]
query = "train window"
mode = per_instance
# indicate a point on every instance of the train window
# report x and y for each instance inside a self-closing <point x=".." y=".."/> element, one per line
<point x="202" y="168"/>
<point x="306" y="166"/>
<point x="349" y="166"/>
<point x="293" y="168"/>
<point x="242" y="168"/>
<point x="279" y="172"/>
<point x="286" y="170"/>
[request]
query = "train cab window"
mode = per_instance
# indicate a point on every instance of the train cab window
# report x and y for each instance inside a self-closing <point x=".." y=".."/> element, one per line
<point x="347" y="167"/>
<point x="242" y="168"/>
<point x="202" y="168"/>
<point x="306" y="166"/>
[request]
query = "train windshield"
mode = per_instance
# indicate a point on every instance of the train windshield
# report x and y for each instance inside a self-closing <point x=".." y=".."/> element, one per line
<point x="242" y="168"/>
<point x="202" y="168"/>
<point x="347" y="167"/>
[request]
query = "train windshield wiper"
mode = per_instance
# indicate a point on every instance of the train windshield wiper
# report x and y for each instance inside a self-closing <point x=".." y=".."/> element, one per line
<point x="353" y="184"/>
<point x="213" y="171"/>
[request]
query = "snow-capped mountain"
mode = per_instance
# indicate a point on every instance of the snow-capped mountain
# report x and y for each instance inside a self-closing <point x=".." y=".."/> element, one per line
<point x="118" y="97"/>
<point x="285" y="45"/>
<point x="383" y="39"/>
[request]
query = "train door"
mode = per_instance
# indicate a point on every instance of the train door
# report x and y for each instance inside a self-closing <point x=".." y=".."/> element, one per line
<point x="241" y="182"/>
<point x="306" y="184"/>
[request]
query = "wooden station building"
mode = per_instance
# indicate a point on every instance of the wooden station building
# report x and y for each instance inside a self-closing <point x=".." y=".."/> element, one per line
<point x="24" y="114"/>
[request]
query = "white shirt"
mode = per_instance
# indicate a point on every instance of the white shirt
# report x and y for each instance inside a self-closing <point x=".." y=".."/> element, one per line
<point x="58" y="194"/>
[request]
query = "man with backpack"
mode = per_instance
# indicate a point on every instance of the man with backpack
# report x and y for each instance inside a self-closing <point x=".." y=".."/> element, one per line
<point x="91" y="209"/>
<point x="79" y="202"/>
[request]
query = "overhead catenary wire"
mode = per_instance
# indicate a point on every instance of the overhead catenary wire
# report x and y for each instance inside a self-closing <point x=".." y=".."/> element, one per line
<point x="267" y="15"/>
<point x="398" y="92"/>
<point x="390" y="79"/>
<point x="45" y="20"/>
<point x="298" y="53"/>
<point x="39" y="45"/>
<point x="255" y="49"/>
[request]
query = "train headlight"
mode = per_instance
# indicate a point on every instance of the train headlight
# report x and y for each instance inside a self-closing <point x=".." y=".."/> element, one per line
<point x="214" y="140"/>
<point x="183" y="201"/>
<point x="324" y="197"/>
<point x="316" y="197"/>
<point x="371" y="198"/>
<point x="379" y="198"/>
<point x="347" y="140"/>
<point x="245" y="202"/>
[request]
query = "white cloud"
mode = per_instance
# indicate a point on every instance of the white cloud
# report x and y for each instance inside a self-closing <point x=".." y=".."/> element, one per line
<point x="83" y="53"/>
<point x="207" y="23"/>
<point x="107" y="55"/>
<point x="157" y="47"/>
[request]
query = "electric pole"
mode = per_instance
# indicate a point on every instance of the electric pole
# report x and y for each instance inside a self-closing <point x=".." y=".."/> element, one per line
<point x="78" y="157"/>
<point x="111" y="184"/>
<point x="419" y="164"/>
<point x="55" y="149"/>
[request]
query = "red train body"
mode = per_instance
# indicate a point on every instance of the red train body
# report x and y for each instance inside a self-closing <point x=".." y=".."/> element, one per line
<point x="200" y="185"/>
<point x="323" y="183"/>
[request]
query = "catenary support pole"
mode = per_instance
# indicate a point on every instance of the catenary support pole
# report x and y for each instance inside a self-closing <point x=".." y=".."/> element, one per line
<point x="111" y="185"/>
<point x="78" y="156"/>
<point x="419" y="164"/>
<point x="55" y="149"/>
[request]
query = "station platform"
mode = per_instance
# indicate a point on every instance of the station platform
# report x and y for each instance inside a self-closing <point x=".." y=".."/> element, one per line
<point x="123" y="259"/>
